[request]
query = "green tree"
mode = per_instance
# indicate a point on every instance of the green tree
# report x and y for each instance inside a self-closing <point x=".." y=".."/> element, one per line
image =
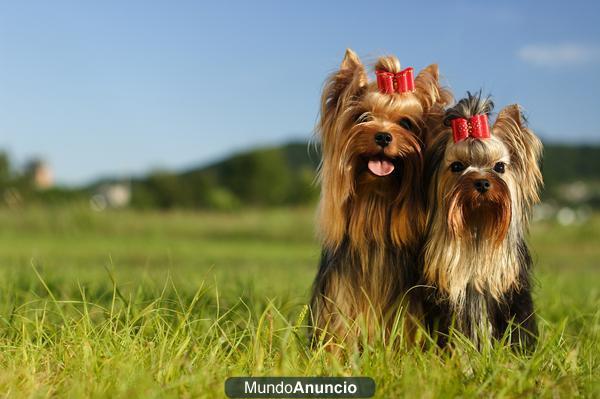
<point x="258" y="178"/>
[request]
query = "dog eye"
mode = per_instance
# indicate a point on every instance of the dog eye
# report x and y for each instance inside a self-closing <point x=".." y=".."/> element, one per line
<point x="457" y="167"/>
<point x="363" y="117"/>
<point x="406" y="124"/>
<point x="500" y="167"/>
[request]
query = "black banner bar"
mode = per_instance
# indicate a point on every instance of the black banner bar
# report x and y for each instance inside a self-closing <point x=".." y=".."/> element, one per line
<point x="300" y="387"/>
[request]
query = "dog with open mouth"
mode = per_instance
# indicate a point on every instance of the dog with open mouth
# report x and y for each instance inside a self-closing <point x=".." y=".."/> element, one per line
<point x="482" y="184"/>
<point x="371" y="208"/>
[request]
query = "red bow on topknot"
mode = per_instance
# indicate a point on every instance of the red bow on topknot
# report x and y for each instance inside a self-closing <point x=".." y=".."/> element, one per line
<point x="476" y="127"/>
<point x="400" y="82"/>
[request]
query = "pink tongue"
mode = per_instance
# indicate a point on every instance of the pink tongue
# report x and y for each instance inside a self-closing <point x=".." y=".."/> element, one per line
<point x="380" y="167"/>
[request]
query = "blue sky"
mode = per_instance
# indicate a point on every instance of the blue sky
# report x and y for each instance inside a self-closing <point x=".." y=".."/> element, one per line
<point x="114" y="87"/>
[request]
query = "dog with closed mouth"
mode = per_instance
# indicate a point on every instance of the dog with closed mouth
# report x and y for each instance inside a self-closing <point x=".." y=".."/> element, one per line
<point x="482" y="182"/>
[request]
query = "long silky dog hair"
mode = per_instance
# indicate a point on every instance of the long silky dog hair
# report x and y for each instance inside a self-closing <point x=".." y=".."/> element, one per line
<point x="480" y="194"/>
<point x="371" y="202"/>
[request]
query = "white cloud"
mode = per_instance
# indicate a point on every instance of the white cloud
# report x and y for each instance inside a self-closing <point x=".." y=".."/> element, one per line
<point x="551" y="55"/>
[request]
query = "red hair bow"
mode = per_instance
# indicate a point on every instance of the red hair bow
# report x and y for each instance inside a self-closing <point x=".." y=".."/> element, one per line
<point x="401" y="82"/>
<point x="476" y="127"/>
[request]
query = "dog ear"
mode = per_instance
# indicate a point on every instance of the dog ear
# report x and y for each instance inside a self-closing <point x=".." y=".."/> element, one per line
<point x="433" y="125"/>
<point x="434" y="98"/>
<point x="525" y="152"/>
<point x="351" y="60"/>
<point x="429" y="90"/>
<point x="341" y="88"/>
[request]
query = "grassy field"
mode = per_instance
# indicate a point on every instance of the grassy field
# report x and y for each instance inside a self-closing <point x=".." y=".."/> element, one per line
<point x="150" y="305"/>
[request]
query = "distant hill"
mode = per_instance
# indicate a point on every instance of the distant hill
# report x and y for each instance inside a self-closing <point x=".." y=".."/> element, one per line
<point x="281" y="175"/>
<point x="284" y="175"/>
<point x="572" y="174"/>
<point x="272" y="176"/>
<point x="564" y="163"/>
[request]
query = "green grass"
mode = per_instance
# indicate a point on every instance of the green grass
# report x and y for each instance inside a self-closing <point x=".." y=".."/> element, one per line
<point x="149" y="305"/>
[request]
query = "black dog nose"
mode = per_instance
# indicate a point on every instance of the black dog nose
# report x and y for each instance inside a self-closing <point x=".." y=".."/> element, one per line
<point x="383" y="139"/>
<point x="482" y="185"/>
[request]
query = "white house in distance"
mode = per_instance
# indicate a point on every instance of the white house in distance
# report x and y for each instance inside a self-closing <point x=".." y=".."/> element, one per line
<point x="111" y="195"/>
<point x="40" y="173"/>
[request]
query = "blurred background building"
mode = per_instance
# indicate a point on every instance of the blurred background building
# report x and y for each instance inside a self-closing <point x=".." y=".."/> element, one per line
<point x="40" y="174"/>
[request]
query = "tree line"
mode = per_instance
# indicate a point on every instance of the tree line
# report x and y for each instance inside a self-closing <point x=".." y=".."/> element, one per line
<point x="275" y="176"/>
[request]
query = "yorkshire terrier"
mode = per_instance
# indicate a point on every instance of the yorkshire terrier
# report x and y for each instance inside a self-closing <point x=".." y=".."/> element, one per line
<point x="482" y="185"/>
<point x="371" y="203"/>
